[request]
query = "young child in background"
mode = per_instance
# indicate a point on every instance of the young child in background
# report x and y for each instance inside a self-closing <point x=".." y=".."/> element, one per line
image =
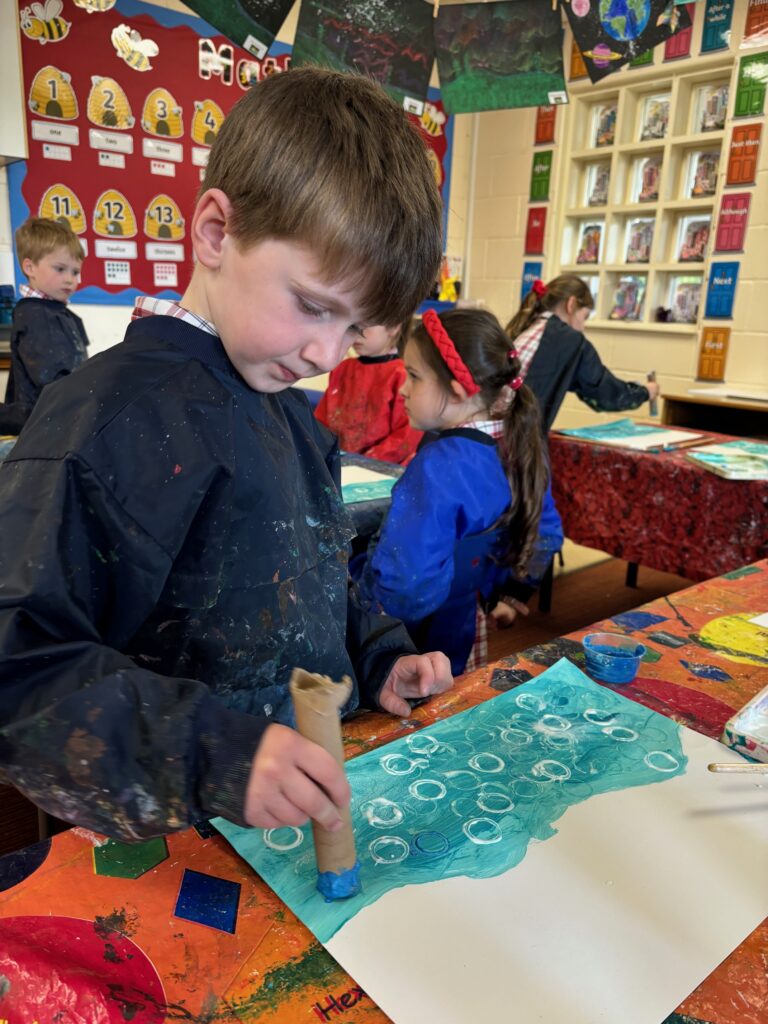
<point x="473" y="507"/>
<point x="48" y="340"/>
<point x="363" y="405"/>
<point x="556" y="357"/>
<point x="172" y="538"/>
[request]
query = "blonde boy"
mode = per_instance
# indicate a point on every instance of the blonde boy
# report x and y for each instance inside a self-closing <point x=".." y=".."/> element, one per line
<point x="48" y="340"/>
<point x="184" y="542"/>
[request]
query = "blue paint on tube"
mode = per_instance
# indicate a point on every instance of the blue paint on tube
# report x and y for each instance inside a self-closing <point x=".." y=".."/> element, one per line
<point x="341" y="886"/>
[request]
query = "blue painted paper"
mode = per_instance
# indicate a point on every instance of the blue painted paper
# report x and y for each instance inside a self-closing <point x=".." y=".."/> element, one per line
<point x="469" y="794"/>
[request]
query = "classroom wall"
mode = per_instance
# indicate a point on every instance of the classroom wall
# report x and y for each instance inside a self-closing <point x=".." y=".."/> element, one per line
<point x="498" y="207"/>
<point x="492" y="154"/>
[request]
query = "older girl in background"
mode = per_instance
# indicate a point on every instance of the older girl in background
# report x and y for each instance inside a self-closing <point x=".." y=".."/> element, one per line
<point x="362" y="404"/>
<point x="467" y="513"/>
<point x="556" y="357"/>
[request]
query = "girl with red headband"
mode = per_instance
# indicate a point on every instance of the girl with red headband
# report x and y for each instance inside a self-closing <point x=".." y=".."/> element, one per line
<point x="466" y="515"/>
<point x="556" y="357"/>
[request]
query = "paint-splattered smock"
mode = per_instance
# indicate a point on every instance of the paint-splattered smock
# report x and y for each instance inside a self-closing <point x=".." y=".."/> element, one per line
<point x="429" y="565"/>
<point x="48" y="341"/>
<point x="172" y="544"/>
<point x="567" y="361"/>
<point x="363" y="406"/>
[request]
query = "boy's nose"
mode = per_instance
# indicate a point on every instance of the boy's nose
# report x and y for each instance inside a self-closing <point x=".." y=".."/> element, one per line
<point x="326" y="350"/>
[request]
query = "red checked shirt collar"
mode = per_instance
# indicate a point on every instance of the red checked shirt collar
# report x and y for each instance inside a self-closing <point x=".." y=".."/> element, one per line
<point x="28" y="292"/>
<point x="147" y="305"/>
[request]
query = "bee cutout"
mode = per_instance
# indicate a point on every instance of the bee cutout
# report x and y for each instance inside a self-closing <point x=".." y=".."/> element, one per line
<point x="108" y="106"/>
<point x="206" y="122"/>
<point x="134" y="50"/>
<point x="163" y="220"/>
<point x="51" y="94"/>
<point x="43" y="22"/>
<point x="60" y="203"/>
<point x="113" y="216"/>
<point x="95" y="6"/>
<point x="162" y="115"/>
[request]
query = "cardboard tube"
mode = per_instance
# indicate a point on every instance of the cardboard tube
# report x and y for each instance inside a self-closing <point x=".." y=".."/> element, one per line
<point x="317" y="700"/>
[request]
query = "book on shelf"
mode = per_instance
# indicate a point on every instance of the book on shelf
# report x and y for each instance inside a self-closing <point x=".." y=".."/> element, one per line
<point x="639" y="239"/>
<point x="598" y="179"/>
<point x="702" y="173"/>
<point x="647" y="172"/>
<point x="603" y="124"/>
<point x="693" y="235"/>
<point x="590" y="239"/>
<point x="655" y="117"/>
<point x="628" y="298"/>
<point x="684" y="298"/>
<point x="734" y="460"/>
<point x="711" y="107"/>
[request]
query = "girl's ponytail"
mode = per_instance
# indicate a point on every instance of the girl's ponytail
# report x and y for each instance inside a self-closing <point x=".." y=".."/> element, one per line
<point x="523" y="454"/>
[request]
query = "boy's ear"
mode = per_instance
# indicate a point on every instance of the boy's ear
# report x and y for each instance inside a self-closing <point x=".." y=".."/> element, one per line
<point x="27" y="266"/>
<point x="209" y="227"/>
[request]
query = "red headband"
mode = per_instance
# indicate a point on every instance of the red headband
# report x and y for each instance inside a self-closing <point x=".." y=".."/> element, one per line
<point x="459" y="369"/>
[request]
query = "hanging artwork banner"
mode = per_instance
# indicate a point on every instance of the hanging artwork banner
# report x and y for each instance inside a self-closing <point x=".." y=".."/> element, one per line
<point x="500" y="55"/>
<point x="252" y="24"/>
<point x="611" y="33"/>
<point x="389" y="42"/>
<point x="119" y="143"/>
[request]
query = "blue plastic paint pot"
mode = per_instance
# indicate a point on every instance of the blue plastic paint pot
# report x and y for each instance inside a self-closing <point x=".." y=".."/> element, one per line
<point x="612" y="657"/>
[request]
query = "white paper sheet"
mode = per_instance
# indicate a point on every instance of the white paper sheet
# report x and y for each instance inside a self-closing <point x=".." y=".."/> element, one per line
<point x="619" y="917"/>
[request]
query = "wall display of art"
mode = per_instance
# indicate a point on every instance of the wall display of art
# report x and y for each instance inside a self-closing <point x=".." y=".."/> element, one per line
<point x="534" y="232"/>
<point x="713" y="352"/>
<point x="655" y="117"/>
<point x="755" y="25"/>
<point x="590" y="242"/>
<point x="646" y="179"/>
<point x="391" y="43"/>
<point x="541" y="172"/>
<point x="628" y="298"/>
<point x="711" y="107"/>
<point x="546" y="117"/>
<point x="252" y="25"/>
<point x="118" y="144"/>
<point x="684" y="298"/>
<point x="750" y="87"/>
<point x="500" y="55"/>
<point x="610" y="34"/>
<point x="678" y="46"/>
<point x="598" y="179"/>
<point x="639" y="239"/>
<point x="702" y="173"/>
<point x="531" y="272"/>
<point x="603" y="124"/>
<point x="692" y="238"/>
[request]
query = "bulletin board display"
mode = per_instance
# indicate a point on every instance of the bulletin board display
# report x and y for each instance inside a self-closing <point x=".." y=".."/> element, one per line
<point x="123" y="101"/>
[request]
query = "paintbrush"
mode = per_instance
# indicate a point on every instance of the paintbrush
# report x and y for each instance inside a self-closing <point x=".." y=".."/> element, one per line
<point x="739" y="766"/>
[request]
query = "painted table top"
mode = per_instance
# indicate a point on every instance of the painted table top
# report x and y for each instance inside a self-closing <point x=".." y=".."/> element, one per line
<point x="658" y="508"/>
<point x="181" y="929"/>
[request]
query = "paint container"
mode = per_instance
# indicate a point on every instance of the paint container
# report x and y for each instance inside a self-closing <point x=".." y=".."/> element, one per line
<point x="612" y="657"/>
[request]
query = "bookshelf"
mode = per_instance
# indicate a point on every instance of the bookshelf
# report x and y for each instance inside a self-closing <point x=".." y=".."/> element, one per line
<point x="641" y="180"/>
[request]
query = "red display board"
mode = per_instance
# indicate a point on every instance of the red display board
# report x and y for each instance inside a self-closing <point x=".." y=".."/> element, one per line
<point x="123" y="103"/>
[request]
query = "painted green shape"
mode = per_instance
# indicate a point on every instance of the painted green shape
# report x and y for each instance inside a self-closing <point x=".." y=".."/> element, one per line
<point x="541" y="171"/>
<point x="746" y="570"/>
<point x="470" y="794"/>
<point x="750" y="91"/>
<point x="642" y="59"/>
<point x="129" y="860"/>
<point x="315" y="969"/>
<point x="650" y="656"/>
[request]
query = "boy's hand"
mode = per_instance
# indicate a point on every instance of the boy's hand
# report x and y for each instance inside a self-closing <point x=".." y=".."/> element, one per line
<point x="653" y="389"/>
<point x="414" y="676"/>
<point x="507" y="610"/>
<point x="293" y="779"/>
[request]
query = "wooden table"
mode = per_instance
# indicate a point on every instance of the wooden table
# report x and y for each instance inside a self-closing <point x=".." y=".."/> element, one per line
<point x="181" y="929"/>
<point x="734" y="415"/>
<point x="658" y="509"/>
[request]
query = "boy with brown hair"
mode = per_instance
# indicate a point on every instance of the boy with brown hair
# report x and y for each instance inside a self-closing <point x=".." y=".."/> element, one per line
<point x="177" y="543"/>
<point x="48" y="340"/>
